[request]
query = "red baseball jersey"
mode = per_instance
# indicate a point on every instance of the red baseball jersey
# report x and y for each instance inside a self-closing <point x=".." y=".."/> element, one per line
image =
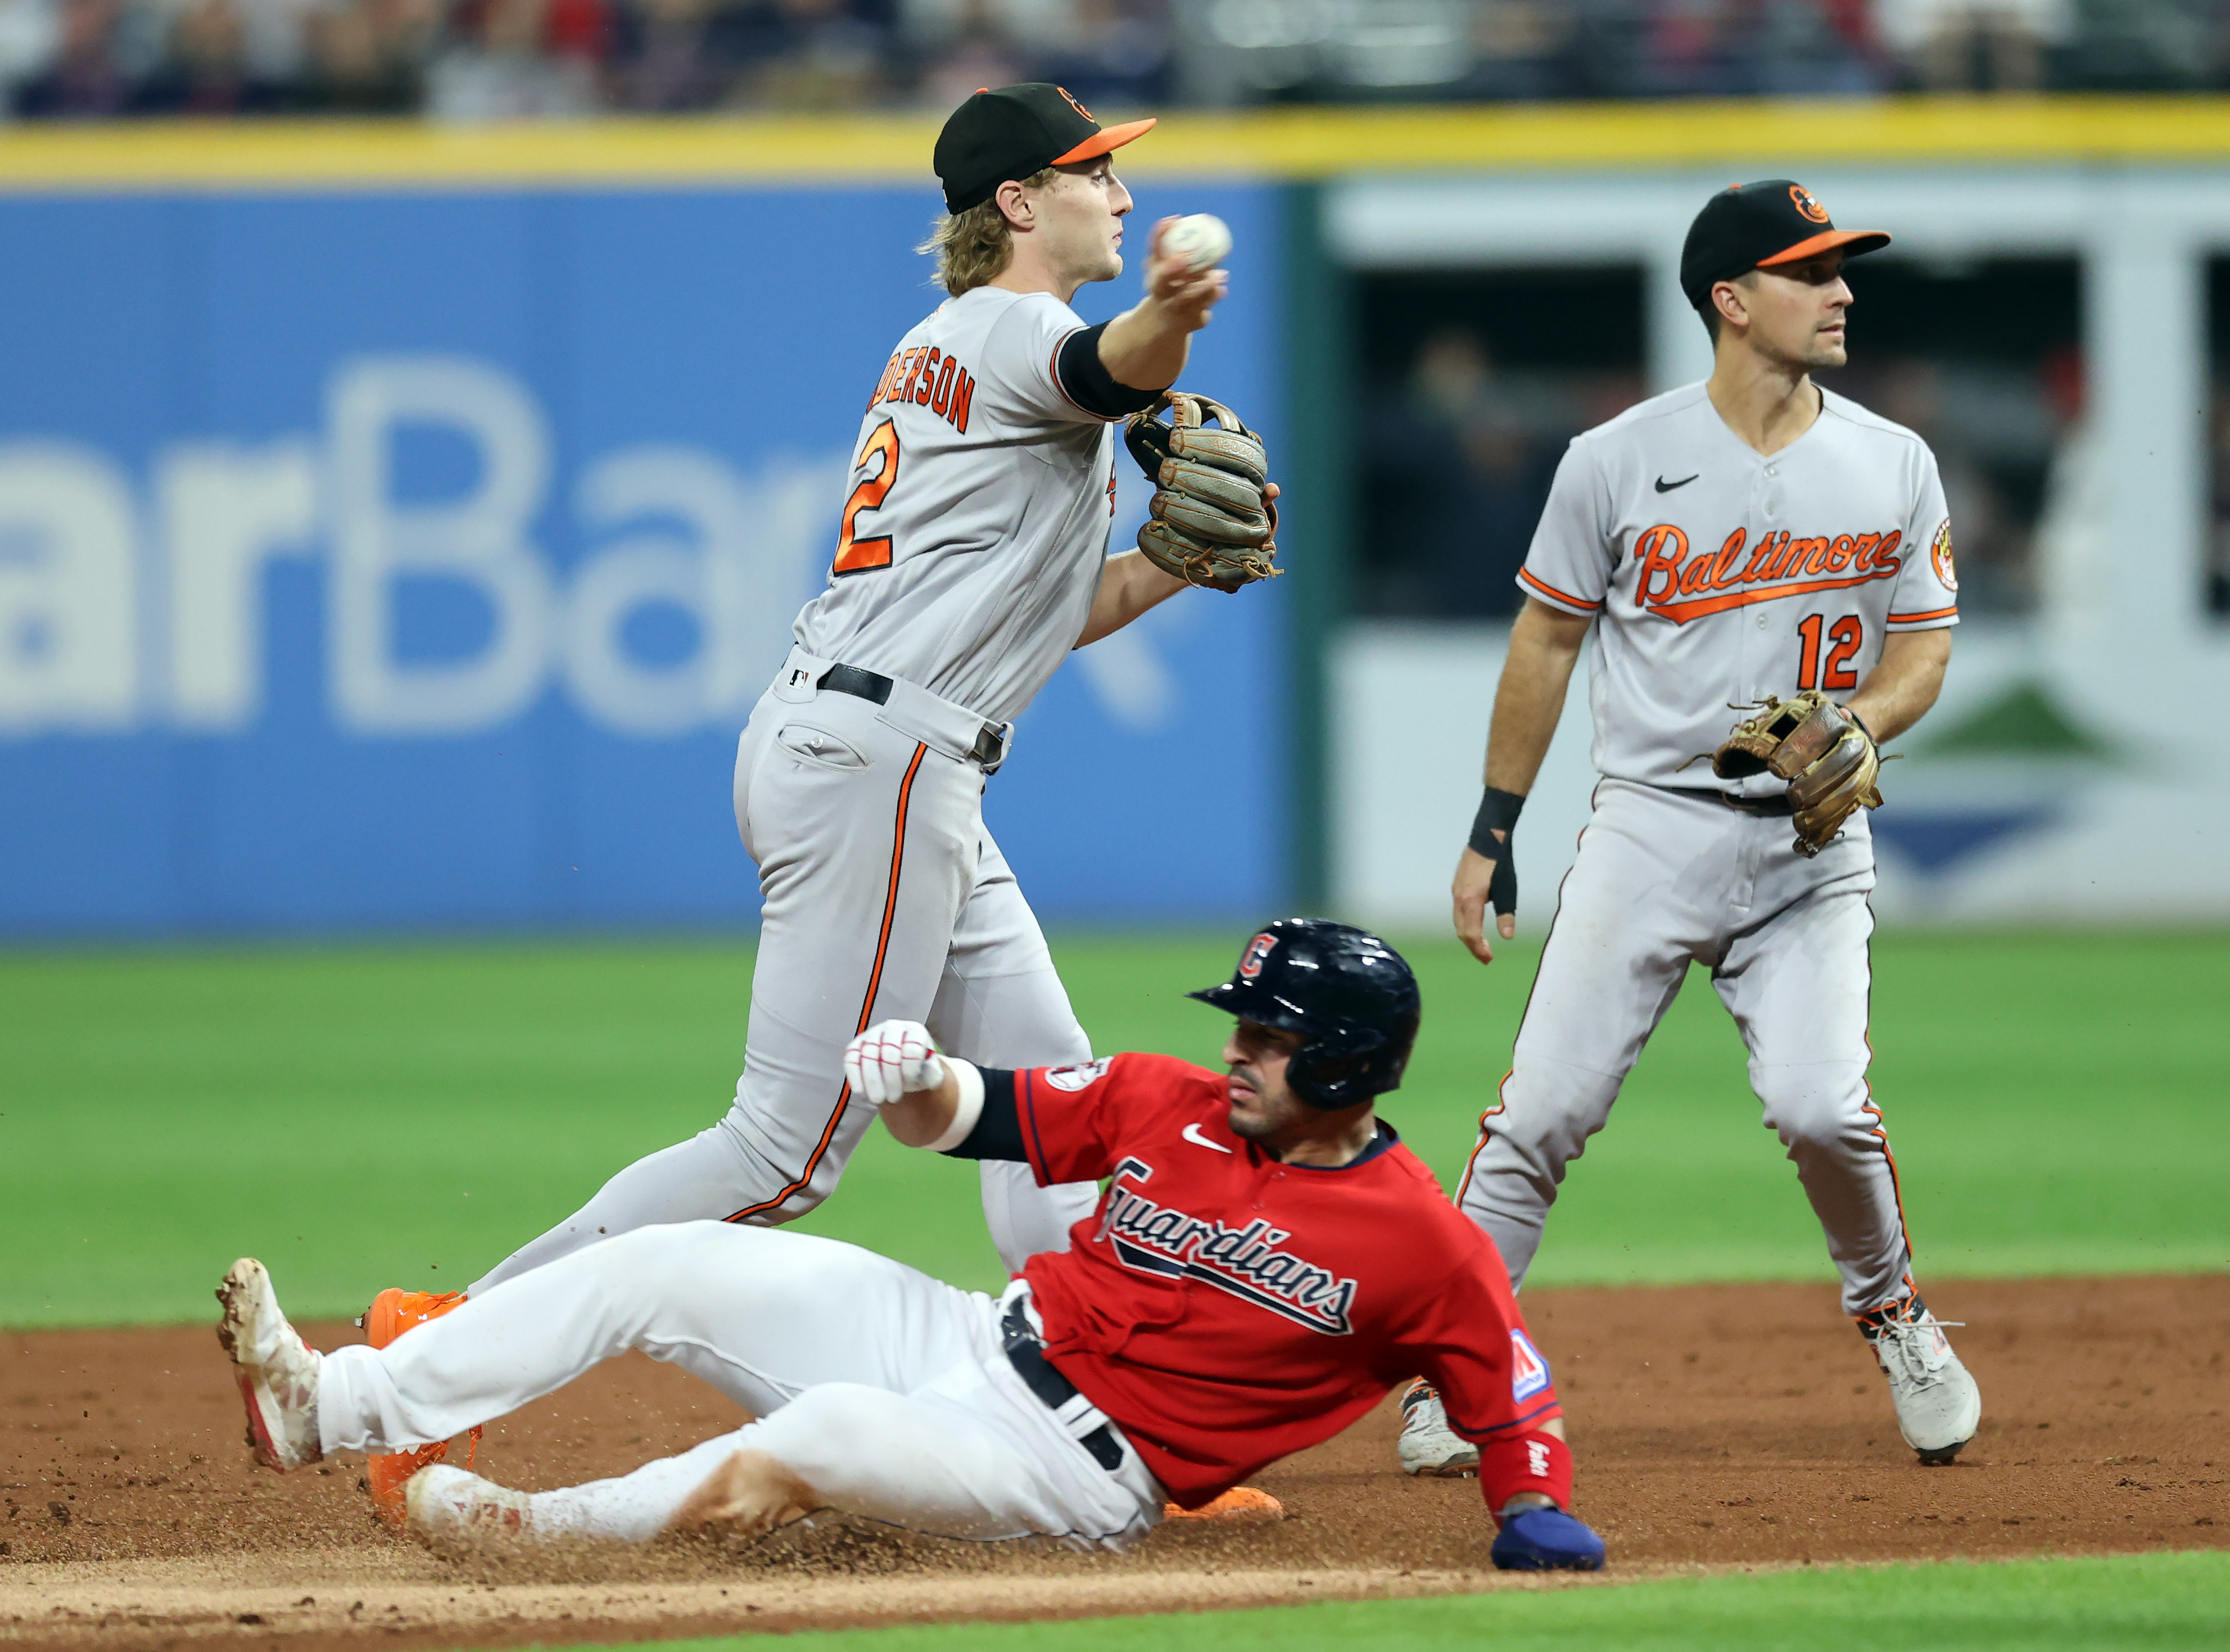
<point x="1227" y="1310"/>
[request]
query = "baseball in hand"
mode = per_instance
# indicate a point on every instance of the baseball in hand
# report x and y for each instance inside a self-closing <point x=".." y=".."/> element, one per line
<point x="1200" y="240"/>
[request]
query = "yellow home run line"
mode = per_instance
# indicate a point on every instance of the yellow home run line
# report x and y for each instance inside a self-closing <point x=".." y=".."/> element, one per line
<point x="1272" y="145"/>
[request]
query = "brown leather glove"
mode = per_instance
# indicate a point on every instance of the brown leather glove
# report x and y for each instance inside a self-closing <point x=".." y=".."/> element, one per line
<point x="1211" y="523"/>
<point x="1825" y="753"/>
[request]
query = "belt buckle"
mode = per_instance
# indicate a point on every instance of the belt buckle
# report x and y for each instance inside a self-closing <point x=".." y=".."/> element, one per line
<point x="991" y="748"/>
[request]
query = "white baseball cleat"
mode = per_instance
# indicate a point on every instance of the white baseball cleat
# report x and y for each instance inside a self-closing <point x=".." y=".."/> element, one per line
<point x="1938" y="1405"/>
<point x="444" y="1505"/>
<point x="278" y="1372"/>
<point x="1427" y="1445"/>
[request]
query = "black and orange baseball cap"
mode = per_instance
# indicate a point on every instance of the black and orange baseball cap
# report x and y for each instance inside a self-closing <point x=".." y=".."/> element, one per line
<point x="1014" y="132"/>
<point x="1755" y="226"/>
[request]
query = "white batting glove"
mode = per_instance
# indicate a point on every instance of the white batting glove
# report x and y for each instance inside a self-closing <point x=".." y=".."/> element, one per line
<point x="890" y="1060"/>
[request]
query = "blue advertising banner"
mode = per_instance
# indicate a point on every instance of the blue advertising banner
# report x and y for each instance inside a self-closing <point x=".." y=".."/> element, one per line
<point x="414" y="559"/>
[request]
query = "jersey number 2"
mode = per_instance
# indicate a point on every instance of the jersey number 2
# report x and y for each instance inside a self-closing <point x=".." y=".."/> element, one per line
<point x="854" y="554"/>
<point x="1845" y="633"/>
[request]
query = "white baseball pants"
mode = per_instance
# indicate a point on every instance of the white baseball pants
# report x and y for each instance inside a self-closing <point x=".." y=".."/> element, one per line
<point x="885" y="898"/>
<point x="1664" y="878"/>
<point x="886" y="1392"/>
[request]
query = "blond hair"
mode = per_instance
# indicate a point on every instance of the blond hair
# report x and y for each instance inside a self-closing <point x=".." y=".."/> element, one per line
<point x="972" y="248"/>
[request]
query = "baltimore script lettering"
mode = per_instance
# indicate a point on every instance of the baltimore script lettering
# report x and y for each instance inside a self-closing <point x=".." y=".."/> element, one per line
<point x="1675" y="585"/>
<point x="1244" y="1262"/>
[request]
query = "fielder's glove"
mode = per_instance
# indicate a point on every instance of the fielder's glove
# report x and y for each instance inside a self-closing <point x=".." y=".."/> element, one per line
<point x="892" y="1059"/>
<point x="1211" y="523"/>
<point x="1825" y="753"/>
<point x="1546" y="1539"/>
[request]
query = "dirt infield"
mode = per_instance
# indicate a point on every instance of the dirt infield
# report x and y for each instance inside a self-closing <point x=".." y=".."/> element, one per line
<point x="1714" y="1426"/>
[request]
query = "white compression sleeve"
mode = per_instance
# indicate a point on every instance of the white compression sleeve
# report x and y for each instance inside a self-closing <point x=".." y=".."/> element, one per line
<point x="966" y="1111"/>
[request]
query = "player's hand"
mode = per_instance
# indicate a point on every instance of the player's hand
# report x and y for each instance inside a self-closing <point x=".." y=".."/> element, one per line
<point x="1477" y="880"/>
<point x="890" y="1060"/>
<point x="1188" y="295"/>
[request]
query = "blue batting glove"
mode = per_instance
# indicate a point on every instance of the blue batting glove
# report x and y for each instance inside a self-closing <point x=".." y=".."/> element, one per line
<point x="1546" y="1539"/>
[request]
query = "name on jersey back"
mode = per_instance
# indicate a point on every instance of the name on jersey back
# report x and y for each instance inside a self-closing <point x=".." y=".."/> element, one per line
<point x="928" y="377"/>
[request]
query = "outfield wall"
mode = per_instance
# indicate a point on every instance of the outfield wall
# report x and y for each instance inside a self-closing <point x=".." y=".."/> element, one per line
<point x="395" y="523"/>
<point x="373" y="556"/>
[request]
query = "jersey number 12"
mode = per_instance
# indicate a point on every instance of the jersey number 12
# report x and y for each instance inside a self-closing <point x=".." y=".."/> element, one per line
<point x="854" y="554"/>
<point x="1845" y="634"/>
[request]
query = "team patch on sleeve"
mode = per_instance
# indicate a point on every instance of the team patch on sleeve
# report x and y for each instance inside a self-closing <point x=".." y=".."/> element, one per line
<point x="1079" y="1076"/>
<point x="1529" y="1372"/>
<point x="1939" y="557"/>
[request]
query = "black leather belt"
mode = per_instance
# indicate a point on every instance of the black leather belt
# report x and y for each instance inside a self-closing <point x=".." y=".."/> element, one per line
<point x="1026" y="1354"/>
<point x="990" y="747"/>
<point x="1761" y="806"/>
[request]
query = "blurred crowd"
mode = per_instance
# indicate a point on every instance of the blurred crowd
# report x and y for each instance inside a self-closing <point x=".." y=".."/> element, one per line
<point x="490" y="60"/>
<point x="1463" y="452"/>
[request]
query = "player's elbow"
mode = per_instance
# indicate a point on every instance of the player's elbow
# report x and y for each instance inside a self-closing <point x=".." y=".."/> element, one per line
<point x="1549" y="631"/>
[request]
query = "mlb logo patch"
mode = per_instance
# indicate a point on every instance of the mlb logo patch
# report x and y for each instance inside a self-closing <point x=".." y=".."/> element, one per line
<point x="1529" y="1372"/>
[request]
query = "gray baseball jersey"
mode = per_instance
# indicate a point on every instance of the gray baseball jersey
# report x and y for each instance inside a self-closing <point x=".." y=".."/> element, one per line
<point x="982" y="498"/>
<point x="1723" y="575"/>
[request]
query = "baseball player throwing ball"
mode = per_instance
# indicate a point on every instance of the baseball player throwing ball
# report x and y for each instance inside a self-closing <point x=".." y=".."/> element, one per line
<point x="1759" y="542"/>
<point x="972" y="558"/>
<point x="1267" y="1261"/>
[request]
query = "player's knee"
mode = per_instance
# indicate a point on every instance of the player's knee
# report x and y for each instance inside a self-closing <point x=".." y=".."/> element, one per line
<point x="1816" y="1104"/>
<point x="662" y="1261"/>
<point x="830" y="1423"/>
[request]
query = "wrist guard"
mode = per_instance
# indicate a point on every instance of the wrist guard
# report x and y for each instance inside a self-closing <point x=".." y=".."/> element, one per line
<point x="1497" y="812"/>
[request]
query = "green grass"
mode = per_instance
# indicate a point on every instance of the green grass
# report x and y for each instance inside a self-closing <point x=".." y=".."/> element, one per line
<point x="2152" y="1601"/>
<point x="369" y="1115"/>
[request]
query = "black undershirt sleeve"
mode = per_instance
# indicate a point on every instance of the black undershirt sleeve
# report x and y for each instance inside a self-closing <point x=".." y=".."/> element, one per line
<point x="1087" y="382"/>
<point x="998" y="1132"/>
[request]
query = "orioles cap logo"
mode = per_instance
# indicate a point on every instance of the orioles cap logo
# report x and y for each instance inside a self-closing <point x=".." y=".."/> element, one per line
<point x="1250" y="961"/>
<point x="1806" y="205"/>
<point x="1074" y="104"/>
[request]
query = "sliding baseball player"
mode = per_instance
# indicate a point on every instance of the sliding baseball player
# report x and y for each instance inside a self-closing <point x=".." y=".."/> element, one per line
<point x="1267" y="1261"/>
<point x="1759" y="542"/>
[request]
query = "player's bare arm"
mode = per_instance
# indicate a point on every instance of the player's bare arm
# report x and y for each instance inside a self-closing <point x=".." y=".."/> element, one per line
<point x="1899" y="691"/>
<point x="1544" y="645"/>
<point x="1147" y="346"/>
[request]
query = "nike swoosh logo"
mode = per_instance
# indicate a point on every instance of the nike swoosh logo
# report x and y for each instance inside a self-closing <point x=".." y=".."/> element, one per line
<point x="1191" y="1133"/>
<point x="1664" y="486"/>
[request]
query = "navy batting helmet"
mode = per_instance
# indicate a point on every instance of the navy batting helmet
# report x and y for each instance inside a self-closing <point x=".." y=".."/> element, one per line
<point x="1348" y="993"/>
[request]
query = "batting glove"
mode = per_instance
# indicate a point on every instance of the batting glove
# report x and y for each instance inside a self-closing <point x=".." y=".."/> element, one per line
<point x="1546" y="1539"/>
<point x="890" y="1060"/>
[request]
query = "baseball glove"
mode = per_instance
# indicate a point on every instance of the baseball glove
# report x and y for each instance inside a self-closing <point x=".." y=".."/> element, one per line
<point x="1212" y="523"/>
<point x="1825" y="753"/>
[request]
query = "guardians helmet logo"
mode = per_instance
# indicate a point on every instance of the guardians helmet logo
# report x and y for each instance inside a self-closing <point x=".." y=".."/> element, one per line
<point x="1244" y="1262"/>
<point x="1250" y="961"/>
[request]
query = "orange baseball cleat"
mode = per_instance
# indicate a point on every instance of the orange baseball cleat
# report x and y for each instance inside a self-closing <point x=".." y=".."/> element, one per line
<point x="393" y="1312"/>
<point x="1239" y="1503"/>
